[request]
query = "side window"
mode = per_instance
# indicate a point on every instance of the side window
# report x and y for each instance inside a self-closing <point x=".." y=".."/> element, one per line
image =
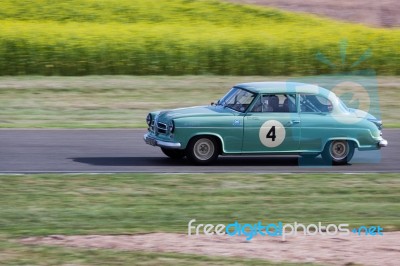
<point x="280" y="103"/>
<point x="314" y="104"/>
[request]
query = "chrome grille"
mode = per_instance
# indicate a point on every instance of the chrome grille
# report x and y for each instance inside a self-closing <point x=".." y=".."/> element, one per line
<point x="152" y="126"/>
<point x="161" y="128"/>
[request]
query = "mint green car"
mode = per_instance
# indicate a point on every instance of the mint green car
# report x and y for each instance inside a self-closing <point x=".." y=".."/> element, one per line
<point x="262" y="118"/>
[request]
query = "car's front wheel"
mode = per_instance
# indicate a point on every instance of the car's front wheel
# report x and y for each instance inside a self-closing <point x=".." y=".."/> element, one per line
<point x="173" y="153"/>
<point x="202" y="150"/>
<point x="338" y="152"/>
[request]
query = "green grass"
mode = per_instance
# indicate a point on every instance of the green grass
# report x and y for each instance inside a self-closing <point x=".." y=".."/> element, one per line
<point x="35" y="205"/>
<point x="124" y="101"/>
<point x="178" y="37"/>
<point x="132" y="203"/>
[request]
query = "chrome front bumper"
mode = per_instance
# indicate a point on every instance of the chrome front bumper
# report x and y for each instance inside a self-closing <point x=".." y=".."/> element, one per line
<point x="383" y="143"/>
<point x="163" y="144"/>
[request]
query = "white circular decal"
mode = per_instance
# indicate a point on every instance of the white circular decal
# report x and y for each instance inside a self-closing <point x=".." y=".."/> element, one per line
<point x="355" y="96"/>
<point x="272" y="133"/>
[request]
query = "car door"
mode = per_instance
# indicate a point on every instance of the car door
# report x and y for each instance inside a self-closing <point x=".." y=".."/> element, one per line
<point x="317" y="122"/>
<point x="272" y="125"/>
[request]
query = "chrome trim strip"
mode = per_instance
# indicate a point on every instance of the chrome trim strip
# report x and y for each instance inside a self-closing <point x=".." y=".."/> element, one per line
<point x="162" y="144"/>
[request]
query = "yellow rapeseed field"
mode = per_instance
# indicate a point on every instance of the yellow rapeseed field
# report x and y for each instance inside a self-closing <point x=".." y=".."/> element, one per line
<point x="142" y="37"/>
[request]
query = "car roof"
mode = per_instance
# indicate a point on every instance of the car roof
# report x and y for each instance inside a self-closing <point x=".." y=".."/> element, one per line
<point x="282" y="87"/>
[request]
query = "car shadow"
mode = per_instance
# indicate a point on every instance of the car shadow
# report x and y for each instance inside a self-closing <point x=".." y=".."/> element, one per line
<point x="127" y="161"/>
<point x="232" y="161"/>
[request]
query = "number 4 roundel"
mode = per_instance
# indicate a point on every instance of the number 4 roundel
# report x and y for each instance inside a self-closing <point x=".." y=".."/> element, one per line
<point x="272" y="133"/>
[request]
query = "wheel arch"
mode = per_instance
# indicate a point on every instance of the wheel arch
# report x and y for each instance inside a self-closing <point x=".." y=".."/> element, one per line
<point x="217" y="137"/>
<point x="353" y="140"/>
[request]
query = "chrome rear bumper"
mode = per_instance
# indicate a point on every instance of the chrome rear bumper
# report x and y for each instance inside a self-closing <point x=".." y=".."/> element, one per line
<point x="383" y="143"/>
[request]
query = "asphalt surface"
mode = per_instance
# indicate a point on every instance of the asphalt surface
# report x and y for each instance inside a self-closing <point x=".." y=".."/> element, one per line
<point x="112" y="151"/>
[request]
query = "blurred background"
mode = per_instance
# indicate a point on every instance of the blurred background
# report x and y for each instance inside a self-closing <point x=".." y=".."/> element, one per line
<point x="56" y="57"/>
<point x="177" y="37"/>
<point x="87" y="64"/>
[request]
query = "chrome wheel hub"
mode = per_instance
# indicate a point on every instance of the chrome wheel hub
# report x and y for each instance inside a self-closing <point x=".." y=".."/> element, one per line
<point x="339" y="149"/>
<point x="204" y="149"/>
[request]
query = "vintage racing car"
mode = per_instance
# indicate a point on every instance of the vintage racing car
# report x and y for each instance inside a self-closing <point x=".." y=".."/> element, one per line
<point x="263" y="118"/>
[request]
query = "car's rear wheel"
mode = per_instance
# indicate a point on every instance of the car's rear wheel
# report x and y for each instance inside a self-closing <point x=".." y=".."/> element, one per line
<point x="338" y="152"/>
<point x="173" y="153"/>
<point x="202" y="150"/>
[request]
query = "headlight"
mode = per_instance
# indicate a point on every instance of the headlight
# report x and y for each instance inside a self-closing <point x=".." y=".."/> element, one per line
<point x="148" y="119"/>
<point x="172" y="126"/>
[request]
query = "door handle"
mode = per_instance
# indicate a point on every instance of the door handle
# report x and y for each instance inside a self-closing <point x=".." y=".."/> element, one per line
<point x="254" y="118"/>
<point x="293" y="122"/>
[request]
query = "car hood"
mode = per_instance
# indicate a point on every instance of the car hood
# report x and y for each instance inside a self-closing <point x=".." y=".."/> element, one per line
<point x="197" y="111"/>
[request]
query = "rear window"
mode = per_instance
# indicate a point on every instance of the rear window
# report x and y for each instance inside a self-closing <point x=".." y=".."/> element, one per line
<point x="314" y="104"/>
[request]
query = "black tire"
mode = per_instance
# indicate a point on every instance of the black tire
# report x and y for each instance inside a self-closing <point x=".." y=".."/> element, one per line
<point x="173" y="153"/>
<point x="202" y="150"/>
<point x="338" y="152"/>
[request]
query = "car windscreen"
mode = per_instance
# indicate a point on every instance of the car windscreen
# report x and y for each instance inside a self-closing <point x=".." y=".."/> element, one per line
<point x="238" y="99"/>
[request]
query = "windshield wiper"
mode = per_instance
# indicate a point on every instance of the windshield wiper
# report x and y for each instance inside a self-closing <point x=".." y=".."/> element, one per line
<point x="222" y="103"/>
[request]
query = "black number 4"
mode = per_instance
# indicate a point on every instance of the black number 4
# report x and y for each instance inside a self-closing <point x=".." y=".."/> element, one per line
<point x="271" y="134"/>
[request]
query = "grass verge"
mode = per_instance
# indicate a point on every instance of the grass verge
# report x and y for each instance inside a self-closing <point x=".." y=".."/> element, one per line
<point x="124" y="101"/>
<point x="139" y="203"/>
<point x="132" y="203"/>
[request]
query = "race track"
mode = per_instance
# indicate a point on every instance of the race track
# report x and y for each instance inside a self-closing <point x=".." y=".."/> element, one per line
<point x="112" y="151"/>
